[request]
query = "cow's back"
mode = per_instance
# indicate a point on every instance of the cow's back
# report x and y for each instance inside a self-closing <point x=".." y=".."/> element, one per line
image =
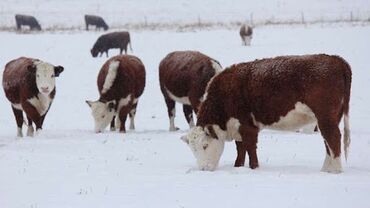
<point x="130" y="77"/>
<point x="15" y="76"/>
<point x="270" y="88"/>
<point x="180" y="71"/>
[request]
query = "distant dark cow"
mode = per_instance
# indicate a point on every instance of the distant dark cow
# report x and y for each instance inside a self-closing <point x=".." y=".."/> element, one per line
<point x="283" y="93"/>
<point x="28" y="21"/>
<point x="95" y="20"/>
<point x="29" y="85"/>
<point x="183" y="77"/>
<point x="111" y="40"/>
<point x="121" y="81"/>
<point x="246" y="33"/>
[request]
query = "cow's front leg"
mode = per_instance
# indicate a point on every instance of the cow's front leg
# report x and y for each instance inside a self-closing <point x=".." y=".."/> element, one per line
<point x="241" y="150"/>
<point x="249" y="136"/>
<point x="122" y="117"/>
<point x="33" y="115"/>
<point x="113" y="124"/>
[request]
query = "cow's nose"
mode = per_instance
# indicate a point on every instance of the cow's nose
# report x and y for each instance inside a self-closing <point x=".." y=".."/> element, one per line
<point x="45" y="88"/>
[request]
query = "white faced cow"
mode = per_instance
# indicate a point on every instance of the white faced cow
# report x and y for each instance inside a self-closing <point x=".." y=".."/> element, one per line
<point x="283" y="93"/>
<point x="29" y="85"/>
<point x="121" y="82"/>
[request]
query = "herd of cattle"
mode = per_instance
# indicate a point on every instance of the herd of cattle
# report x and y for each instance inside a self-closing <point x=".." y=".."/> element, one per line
<point x="235" y="103"/>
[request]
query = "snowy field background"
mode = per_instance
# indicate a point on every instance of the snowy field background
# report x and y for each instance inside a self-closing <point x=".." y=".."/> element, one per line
<point x="68" y="165"/>
<point x="68" y="14"/>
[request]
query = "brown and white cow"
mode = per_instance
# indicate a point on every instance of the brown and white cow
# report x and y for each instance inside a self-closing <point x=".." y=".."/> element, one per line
<point x="283" y="93"/>
<point x="246" y="34"/>
<point x="183" y="77"/>
<point x="121" y="81"/>
<point x="29" y="85"/>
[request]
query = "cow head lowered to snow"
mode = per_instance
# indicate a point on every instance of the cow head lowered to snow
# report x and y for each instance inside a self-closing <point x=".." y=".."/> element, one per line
<point x="206" y="149"/>
<point x="102" y="112"/>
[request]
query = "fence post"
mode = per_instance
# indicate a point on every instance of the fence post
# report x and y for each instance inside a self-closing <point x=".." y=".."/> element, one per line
<point x="302" y="18"/>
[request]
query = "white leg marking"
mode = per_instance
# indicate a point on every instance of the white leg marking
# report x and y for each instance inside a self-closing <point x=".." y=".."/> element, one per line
<point x="172" y="120"/>
<point x="111" y="76"/>
<point x="30" y="131"/>
<point x="331" y="164"/>
<point x="191" y="123"/>
<point x="346" y="136"/>
<point x="19" y="132"/>
<point x="118" y="122"/>
<point x="132" y="119"/>
<point x="248" y="40"/>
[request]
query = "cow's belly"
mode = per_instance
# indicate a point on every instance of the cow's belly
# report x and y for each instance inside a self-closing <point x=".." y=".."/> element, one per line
<point x="184" y="100"/>
<point x="295" y="119"/>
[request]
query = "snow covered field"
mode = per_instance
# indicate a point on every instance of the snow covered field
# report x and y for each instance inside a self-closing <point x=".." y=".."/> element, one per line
<point x="67" y="165"/>
<point x="68" y="14"/>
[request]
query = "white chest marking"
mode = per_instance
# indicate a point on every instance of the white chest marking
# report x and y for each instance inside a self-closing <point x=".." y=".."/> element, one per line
<point x="297" y="118"/>
<point x="183" y="100"/>
<point x="41" y="103"/>
<point x="232" y="131"/>
<point x="17" y="106"/>
<point x="123" y="102"/>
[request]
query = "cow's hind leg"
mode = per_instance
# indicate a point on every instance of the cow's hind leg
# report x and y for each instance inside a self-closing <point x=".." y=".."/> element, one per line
<point x="30" y="130"/>
<point x="171" y="110"/>
<point x="188" y="112"/>
<point x="248" y="144"/>
<point x="330" y="131"/>
<point x="113" y="124"/>
<point x="18" y="114"/>
<point x="132" y="116"/>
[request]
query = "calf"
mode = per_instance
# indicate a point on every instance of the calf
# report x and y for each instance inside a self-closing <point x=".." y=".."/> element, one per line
<point x="29" y="85"/>
<point x="28" y="21"/>
<point x="283" y="93"/>
<point x="246" y="33"/>
<point x="111" y="40"/>
<point x="121" y="81"/>
<point x="183" y="77"/>
<point x="95" y="20"/>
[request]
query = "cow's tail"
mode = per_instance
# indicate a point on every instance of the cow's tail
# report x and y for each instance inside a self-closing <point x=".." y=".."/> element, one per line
<point x="347" y="92"/>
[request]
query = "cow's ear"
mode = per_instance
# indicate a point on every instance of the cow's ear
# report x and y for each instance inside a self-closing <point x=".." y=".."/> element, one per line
<point x="210" y="131"/>
<point x="112" y="106"/>
<point x="58" y="70"/>
<point x="31" y="68"/>
<point x="185" y="139"/>
<point x="89" y="103"/>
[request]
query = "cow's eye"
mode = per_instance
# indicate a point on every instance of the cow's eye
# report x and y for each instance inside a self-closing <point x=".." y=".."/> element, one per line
<point x="103" y="116"/>
<point x="53" y="76"/>
<point x="205" y="146"/>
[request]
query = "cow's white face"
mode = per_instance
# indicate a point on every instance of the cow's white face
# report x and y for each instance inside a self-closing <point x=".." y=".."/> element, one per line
<point x="207" y="150"/>
<point x="103" y="113"/>
<point x="45" y="76"/>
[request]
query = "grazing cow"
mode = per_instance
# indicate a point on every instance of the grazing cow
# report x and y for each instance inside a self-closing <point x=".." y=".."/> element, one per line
<point x="28" y="21"/>
<point x="246" y="33"/>
<point x="121" y="81"/>
<point x="111" y="40"/>
<point x="183" y="77"/>
<point x="95" y="20"/>
<point x="29" y="85"/>
<point x="283" y="93"/>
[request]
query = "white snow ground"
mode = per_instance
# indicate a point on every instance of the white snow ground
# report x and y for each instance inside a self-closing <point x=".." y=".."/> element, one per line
<point x="67" y="165"/>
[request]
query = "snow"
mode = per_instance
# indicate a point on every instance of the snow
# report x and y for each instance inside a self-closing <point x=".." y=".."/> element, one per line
<point x="68" y="165"/>
<point x="118" y="13"/>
